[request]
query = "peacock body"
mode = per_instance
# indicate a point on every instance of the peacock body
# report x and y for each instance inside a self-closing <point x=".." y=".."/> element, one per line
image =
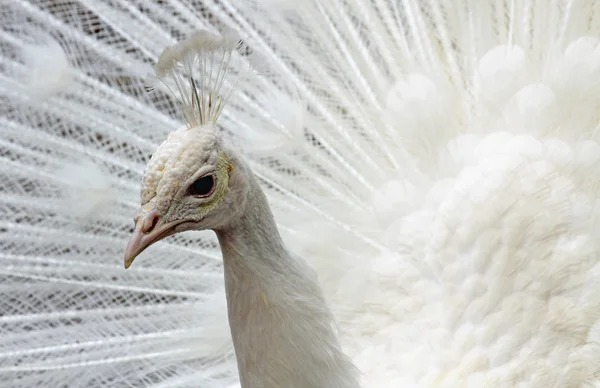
<point x="435" y="162"/>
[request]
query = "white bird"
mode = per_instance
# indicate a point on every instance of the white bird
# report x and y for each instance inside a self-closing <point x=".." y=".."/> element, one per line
<point x="282" y="329"/>
<point x="432" y="169"/>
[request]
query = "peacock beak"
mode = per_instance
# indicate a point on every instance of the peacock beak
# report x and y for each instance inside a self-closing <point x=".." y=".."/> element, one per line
<point x="148" y="230"/>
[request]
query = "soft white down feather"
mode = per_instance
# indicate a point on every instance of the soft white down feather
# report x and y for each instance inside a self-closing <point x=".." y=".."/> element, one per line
<point x="437" y="162"/>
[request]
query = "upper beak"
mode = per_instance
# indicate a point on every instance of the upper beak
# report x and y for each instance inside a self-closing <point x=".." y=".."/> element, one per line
<point x="148" y="230"/>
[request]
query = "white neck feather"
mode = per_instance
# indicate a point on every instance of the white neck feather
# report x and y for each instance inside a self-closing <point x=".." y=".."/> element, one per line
<point x="282" y="329"/>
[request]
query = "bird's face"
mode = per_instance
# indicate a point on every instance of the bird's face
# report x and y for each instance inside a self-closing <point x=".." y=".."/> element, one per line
<point x="190" y="183"/>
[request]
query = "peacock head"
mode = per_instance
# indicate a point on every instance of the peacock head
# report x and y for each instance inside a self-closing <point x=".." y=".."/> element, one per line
<point x="193" y="181"/>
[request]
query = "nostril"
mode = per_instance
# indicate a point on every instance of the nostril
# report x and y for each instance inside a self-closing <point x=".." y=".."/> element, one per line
<point x="154" y="221"/>
<point x="150" y="222"/>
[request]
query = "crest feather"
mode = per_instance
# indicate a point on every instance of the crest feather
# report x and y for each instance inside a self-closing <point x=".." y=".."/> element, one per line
<point x="201" y="72"/>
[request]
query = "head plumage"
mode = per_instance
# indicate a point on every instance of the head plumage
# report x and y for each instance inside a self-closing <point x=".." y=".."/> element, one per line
<point x="201" y="72"/>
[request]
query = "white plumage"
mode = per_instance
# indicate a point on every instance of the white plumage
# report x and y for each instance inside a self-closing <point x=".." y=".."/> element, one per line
<point x="437" y="162"/>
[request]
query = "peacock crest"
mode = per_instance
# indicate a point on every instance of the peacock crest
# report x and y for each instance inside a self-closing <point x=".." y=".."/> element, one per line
<point x="201" y="72"/>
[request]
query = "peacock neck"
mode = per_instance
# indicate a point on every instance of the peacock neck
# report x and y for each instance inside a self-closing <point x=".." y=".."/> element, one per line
<point x="282" y="329"/>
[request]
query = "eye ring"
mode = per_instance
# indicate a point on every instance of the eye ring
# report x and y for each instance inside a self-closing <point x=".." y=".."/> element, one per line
<point x="203" y="187"/>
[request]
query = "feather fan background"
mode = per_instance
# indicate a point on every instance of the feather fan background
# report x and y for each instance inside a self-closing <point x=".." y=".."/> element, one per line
<point x="436" y="161"/>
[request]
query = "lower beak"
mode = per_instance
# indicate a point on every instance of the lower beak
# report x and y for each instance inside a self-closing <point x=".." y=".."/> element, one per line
<point x="139" y="241"/>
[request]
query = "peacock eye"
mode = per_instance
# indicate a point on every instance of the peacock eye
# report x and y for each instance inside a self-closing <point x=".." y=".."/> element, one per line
<point x="203" y="187"/>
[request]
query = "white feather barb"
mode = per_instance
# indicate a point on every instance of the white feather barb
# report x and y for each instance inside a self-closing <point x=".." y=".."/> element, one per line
<point x="201" y="72"/>
<point x="87" y="189"/>
<point x="47" y="70"/>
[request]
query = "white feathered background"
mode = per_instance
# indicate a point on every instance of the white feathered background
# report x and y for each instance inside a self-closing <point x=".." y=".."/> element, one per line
<point x="438" y="162"/>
